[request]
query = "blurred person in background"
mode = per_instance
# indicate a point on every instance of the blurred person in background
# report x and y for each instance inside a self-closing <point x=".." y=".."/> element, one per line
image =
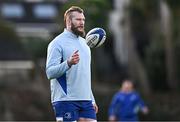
<point x="68" y="68"/>
<point x="126" y="104"/>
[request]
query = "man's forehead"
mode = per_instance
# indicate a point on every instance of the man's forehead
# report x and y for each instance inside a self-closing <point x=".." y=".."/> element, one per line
<point x="77" y="14"/>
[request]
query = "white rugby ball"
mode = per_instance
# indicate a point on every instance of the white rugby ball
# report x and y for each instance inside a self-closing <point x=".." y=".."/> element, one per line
<point x="95" y="37"/>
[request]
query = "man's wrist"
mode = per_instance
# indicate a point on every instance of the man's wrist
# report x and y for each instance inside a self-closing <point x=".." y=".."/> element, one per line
<point x="69" y="63"/>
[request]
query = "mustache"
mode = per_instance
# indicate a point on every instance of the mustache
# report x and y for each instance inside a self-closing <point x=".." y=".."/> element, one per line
<point x="79" y="26"/>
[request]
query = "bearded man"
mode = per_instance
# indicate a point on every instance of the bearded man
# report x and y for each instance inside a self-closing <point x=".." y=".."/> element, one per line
<point x="68" y="67"/>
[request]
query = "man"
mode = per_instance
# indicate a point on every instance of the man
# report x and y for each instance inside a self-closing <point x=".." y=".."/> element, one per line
<point x="126" y="104"/>
<point x="68" y="68"/>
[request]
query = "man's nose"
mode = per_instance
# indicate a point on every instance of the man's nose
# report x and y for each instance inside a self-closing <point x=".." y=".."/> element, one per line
<point x="82" y="22"/>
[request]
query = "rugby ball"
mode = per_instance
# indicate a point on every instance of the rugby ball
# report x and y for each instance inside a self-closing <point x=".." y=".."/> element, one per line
<point x="95" y="37"/>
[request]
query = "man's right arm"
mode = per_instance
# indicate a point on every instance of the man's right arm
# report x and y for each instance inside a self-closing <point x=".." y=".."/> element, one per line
<point x="112" y="112"/>
<point x="55" y="66"/>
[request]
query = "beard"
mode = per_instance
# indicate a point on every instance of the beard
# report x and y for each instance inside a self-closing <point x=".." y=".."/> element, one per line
<point x="76" y="31"/>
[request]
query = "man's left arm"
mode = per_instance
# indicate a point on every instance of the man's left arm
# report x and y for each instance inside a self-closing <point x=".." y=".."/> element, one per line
<point x="143" y="107"/>
<point x="94" y="102"/>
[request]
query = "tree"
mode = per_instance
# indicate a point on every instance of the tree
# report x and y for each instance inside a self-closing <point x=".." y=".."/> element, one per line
<point x="10" y="45"/>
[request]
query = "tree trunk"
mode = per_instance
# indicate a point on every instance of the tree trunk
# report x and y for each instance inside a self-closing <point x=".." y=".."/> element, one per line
<point x="169" y="50"/>
<point x="125" y="51"/>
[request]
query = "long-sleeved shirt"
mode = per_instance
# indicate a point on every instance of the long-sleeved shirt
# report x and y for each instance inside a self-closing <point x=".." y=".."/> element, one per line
<point x="125" y="106"/>
<point x="69" y="83"/>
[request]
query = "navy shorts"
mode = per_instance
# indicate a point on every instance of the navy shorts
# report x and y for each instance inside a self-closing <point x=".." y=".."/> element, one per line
<point x="73" y="110"/>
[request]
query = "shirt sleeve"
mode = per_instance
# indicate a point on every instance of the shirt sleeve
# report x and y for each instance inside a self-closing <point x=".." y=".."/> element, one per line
<point x="55" y="65"/>
<point x="140" y="102"/>
<point x="112" y="107"/>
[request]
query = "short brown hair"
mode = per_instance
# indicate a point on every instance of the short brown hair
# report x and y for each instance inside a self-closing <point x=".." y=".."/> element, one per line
<point x="70" y="10"/>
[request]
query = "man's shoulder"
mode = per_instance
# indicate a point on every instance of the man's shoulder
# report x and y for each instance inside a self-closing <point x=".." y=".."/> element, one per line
<point x="59" y="38"/>
<point x="135" y="94"/>
<point x="81" y="38"/>
<point x="117" y="94"/>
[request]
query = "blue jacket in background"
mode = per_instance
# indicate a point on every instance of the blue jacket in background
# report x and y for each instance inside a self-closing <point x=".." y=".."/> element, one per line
<point x="125" y="106"/>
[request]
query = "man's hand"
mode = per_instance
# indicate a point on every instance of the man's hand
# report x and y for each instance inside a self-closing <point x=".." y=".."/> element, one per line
<point x="145" y="110"/>
<point x="112" y="118"/>
<point x="74" y="59"/>
<point x="95" y="107"/>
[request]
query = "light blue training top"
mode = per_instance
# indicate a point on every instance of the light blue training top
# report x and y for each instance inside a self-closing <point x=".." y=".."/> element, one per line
<point x="69" y="83"/>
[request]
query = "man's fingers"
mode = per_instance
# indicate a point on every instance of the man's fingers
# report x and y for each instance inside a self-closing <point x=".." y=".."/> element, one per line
<point x="74" y="58"/>
<point x="75" y="55"/>
<point x="76" y="51"/>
